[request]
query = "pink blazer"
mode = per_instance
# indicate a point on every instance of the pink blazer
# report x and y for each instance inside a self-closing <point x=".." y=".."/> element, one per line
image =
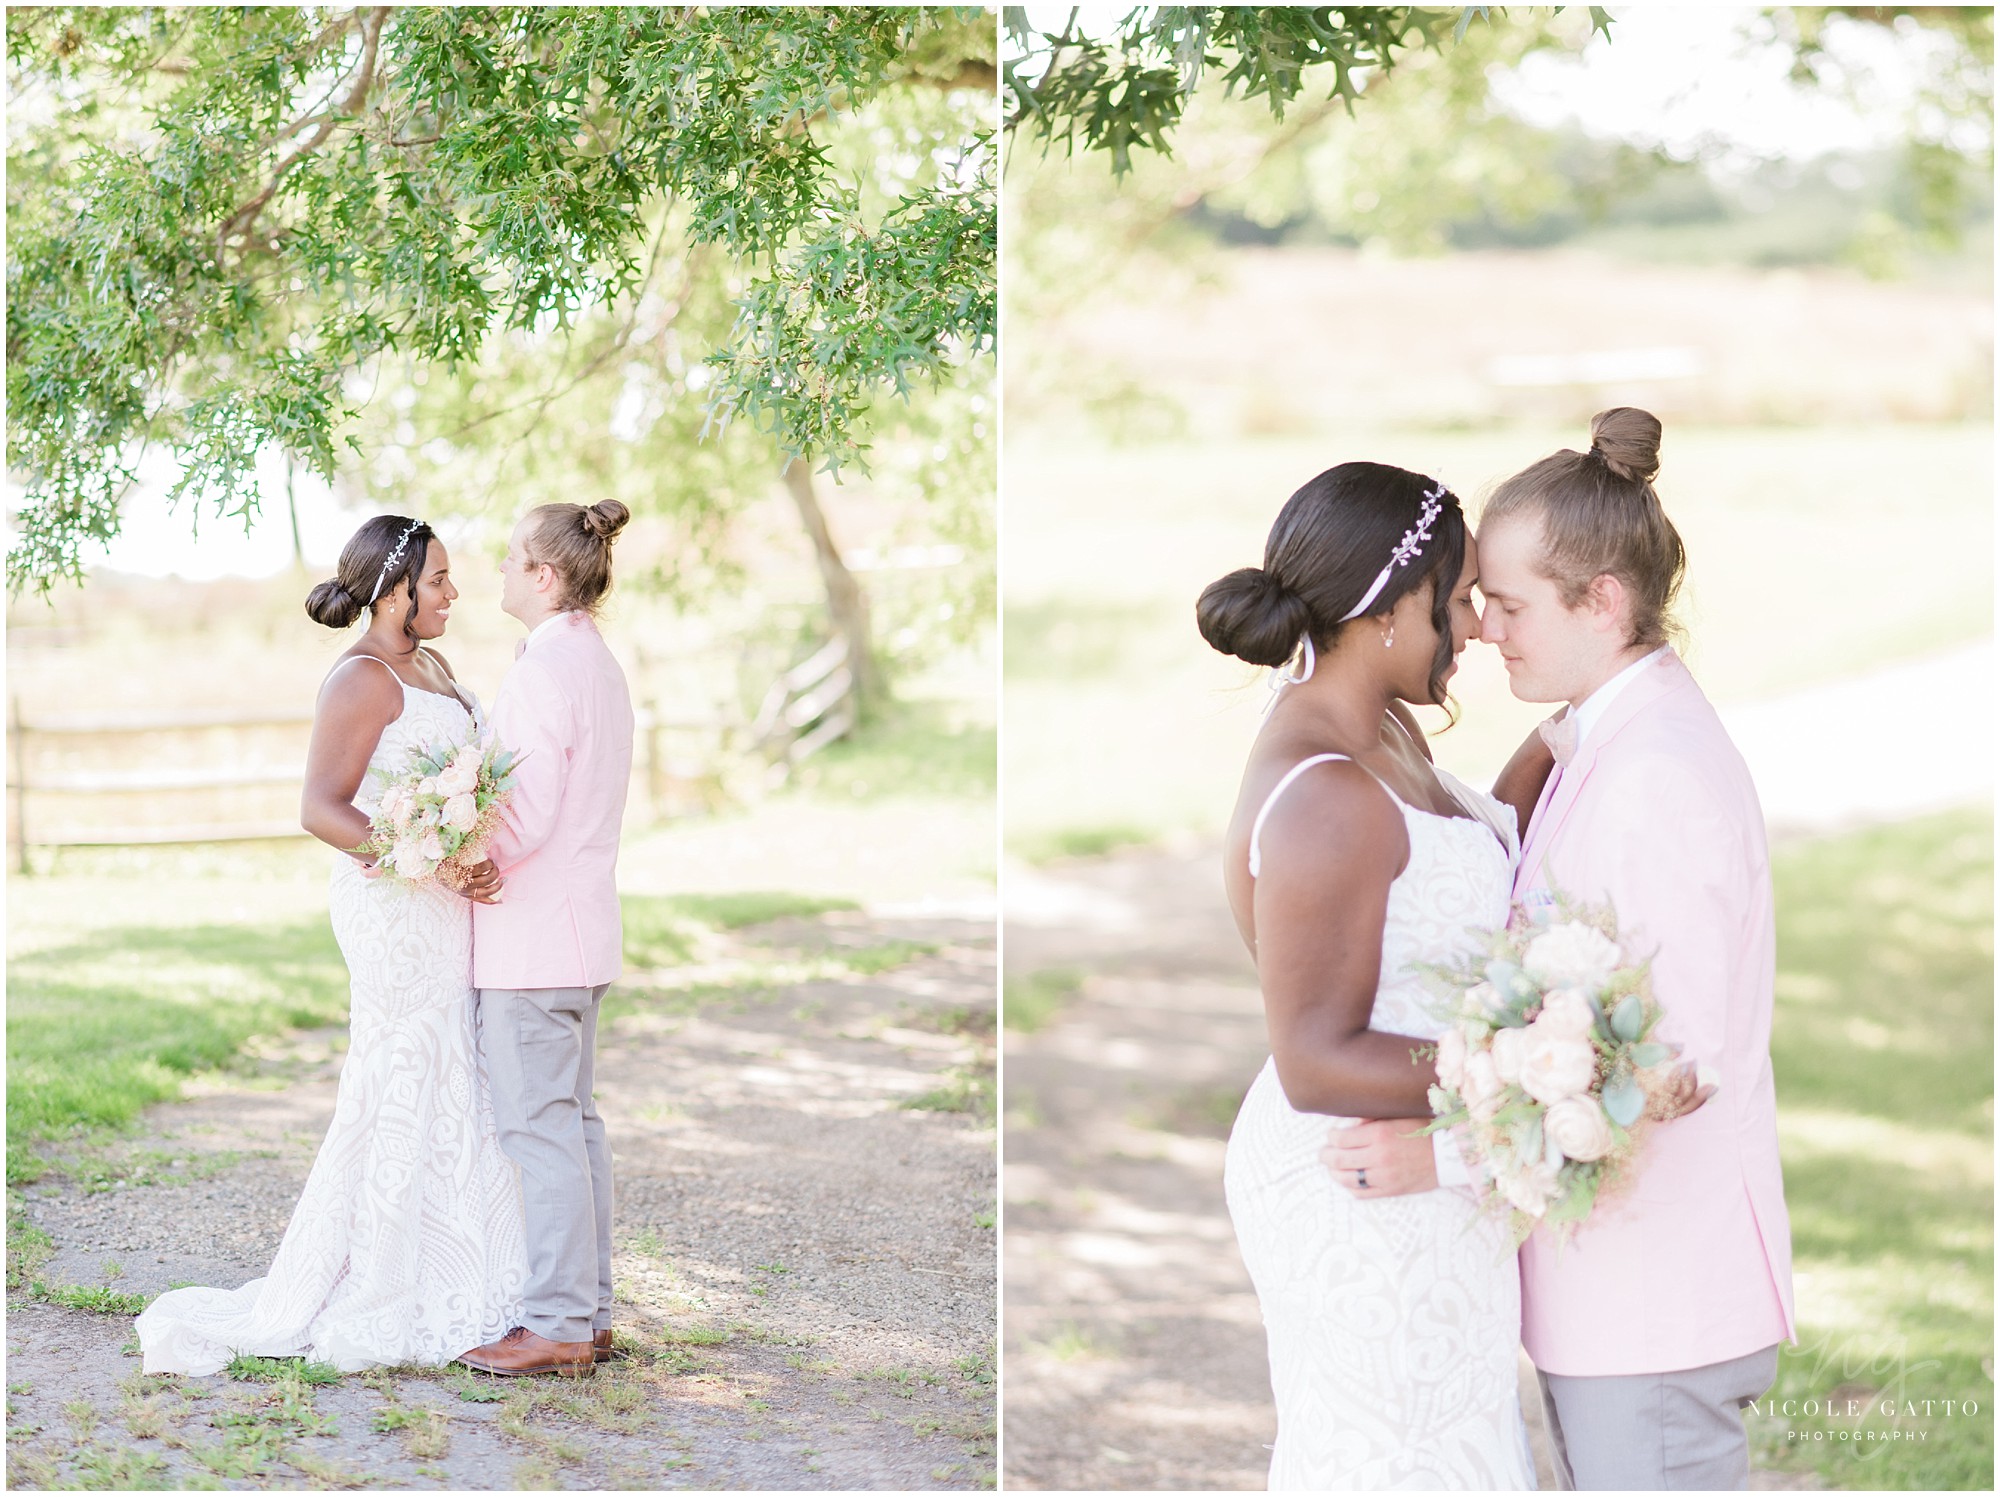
<point x="565" y="707"/>
<point x="1692" y="1262"/>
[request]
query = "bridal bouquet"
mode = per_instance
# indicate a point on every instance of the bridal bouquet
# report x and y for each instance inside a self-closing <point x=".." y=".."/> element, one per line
<point x="1550" y="1064"/>
<point x="436" y="815"/>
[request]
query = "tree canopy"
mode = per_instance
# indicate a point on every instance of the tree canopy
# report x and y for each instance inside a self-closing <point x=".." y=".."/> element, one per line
<point x="222" y="222"/>
<point x="1128" y="87"/>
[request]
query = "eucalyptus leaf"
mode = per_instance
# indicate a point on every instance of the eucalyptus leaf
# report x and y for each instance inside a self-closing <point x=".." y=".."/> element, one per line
<point x="1624" y="1100"/>
<point x="1651" y="1054"/>
<point x="1628" y="1019"/>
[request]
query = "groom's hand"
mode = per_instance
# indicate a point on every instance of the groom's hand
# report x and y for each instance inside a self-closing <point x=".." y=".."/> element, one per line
<point x="1390" y="1156"/>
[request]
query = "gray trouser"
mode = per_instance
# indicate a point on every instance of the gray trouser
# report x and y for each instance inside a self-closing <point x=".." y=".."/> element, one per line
<point x="1671" y="1431"/>
<point x="540" y="1046"/>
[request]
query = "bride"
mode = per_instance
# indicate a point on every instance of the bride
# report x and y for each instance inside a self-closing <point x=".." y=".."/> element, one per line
<point x="406" y="1244"/>
<point x="1351" y="860"/>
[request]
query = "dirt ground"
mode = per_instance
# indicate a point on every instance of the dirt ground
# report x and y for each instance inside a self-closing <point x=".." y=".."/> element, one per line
<point x="1133" y="1348"/>
<point x="804" y="1256"/>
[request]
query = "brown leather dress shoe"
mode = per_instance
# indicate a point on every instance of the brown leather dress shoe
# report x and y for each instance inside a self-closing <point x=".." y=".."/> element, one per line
<point x="601" y="1347"/>
<point x="521" y="1353"/>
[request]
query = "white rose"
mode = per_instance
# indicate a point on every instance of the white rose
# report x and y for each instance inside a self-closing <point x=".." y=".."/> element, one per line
<point x="459" y="779"/>
<point x="468" y="753"/>
<point x="1567" y="1011"/>
<point x="1451" y="1058"/>
<point x="428" y="785"/>
<point x="1571" y="955"/>
<point x="1484" y="998"/>
<point x="409" y="860"/>
<point x="432" y="846"/>
<point x="460" y="812"/>
<point x="1554" y="1066"/>
<point x="1482" y="1088"/>
<point x="1530" y="1188"/>
<point x="1578" y="1126"/>
<point x="1509" y="1045"/>
<point x="395" y="803"/>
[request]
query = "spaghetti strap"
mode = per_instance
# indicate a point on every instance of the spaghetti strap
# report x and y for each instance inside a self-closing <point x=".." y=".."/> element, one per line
<point x="364" y="656"/>
<point x="1408" y="734"/>
<point x="1257" y="826"/>
<point x="449" y="679"/>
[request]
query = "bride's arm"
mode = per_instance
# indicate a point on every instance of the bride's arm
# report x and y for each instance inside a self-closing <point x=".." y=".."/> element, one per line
<point x="1519" y="785"/>
<point x="355" y="705"/>
<point x="1320" y="900"/>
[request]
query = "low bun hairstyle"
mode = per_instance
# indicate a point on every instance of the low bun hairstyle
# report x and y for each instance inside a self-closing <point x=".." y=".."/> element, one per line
<point x="332" y="605"/>
<point x="350" y="592"/>
<point x="1253" y="616"/>
<point x="1325" y="550"/>
<point x="576" y="540"/>
<point x="1599" y="514"/>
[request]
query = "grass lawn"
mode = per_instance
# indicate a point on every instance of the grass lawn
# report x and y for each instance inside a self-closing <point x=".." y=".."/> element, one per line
<point x="127" y="979"/>
<point x="1883" y="1046"/>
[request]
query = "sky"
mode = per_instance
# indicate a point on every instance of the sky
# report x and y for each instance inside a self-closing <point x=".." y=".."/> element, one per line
<point x="1712" y="81"/>
<point x="1695" y="79"/>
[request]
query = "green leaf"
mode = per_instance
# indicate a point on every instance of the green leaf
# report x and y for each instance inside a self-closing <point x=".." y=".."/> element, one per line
<point x="1652" y="1054"/>
<point x="1623" y="1100"/>
<point x="1628" y="1019"/>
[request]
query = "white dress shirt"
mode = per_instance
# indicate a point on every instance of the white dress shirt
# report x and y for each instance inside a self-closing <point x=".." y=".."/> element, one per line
<point x="1590" y="711"/>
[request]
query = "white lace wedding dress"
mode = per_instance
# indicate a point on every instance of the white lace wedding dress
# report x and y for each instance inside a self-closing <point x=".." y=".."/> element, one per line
<point x="406" y="1245"/>
<point x="1392" y="1323"/>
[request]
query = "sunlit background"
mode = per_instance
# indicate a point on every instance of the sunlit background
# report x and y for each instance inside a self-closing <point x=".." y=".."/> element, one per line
<point x="1772" y="229"/>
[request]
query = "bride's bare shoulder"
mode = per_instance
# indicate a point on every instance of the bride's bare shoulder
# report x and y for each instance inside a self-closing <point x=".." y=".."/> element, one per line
<point x="361" y="685"/>
<point x="1331" y="812"/>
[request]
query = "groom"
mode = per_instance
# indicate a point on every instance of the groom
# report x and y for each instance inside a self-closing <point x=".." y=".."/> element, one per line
<point x="1662" y="1318"/>
<point x="544" y="955"/>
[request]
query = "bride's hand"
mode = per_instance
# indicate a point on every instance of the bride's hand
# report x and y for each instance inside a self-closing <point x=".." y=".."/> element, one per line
<point x="1370" y="1160"/>
<point x="482" y="883"/>
<point x="1684" y="1092"/>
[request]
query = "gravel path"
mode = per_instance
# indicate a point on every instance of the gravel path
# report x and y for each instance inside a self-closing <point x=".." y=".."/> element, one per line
<point x="804" y="1259"/>
<point x="1133" y="1346"/>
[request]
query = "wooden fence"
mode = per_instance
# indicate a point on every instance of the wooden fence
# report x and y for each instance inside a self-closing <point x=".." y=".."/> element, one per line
<point x="57" y="761"/>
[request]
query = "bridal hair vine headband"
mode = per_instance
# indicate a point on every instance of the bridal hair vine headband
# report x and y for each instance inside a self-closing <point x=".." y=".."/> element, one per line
<point x="1408" y="549"/>
<point x="402" y="541"/>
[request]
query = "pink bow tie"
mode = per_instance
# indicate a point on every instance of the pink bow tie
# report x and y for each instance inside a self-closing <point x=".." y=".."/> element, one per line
<point x="1560" y="736"/>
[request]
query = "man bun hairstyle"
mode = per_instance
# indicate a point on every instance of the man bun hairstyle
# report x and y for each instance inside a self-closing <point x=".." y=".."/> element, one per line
<point x="576" y="540"/>
<point x="1326" y="549"/>
<point x="1627" y="441"/>
<point x="1600" y="515"/>
<point x="371" y="557"/>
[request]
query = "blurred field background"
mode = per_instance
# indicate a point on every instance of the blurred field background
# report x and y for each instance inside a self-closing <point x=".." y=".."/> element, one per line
<point x="1453" y="280"/>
